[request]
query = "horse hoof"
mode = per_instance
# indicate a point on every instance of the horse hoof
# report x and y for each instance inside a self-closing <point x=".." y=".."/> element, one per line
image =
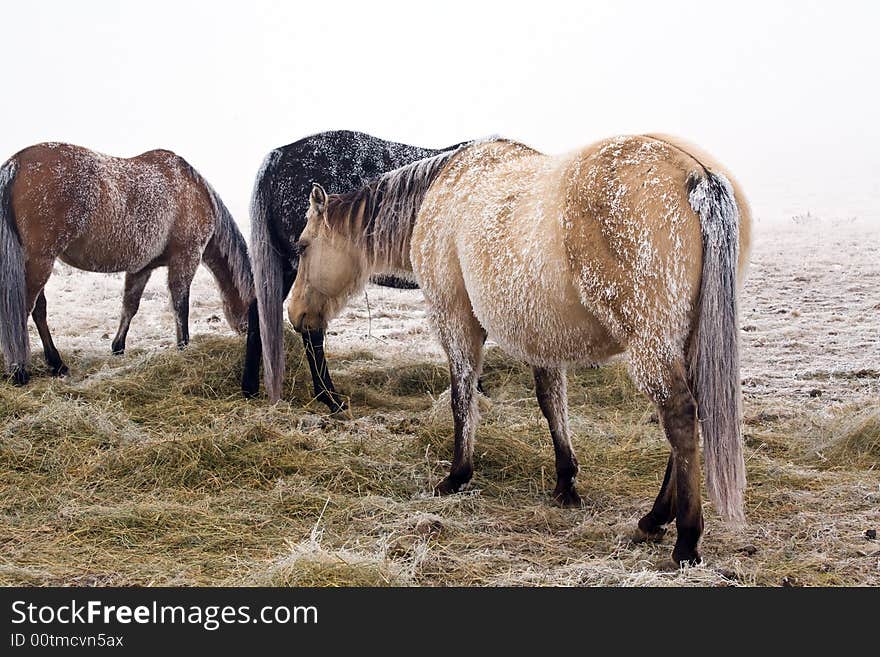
<point x="567" y="498"/>
<point x="60" y="371"/>
<point x="446" y="487"/>
<point x="686" y="556"/>
<point x="648" y="532"/>
<point x="20" y="376"/>
<point x="334" y="402"/>
<point x="250" y="386"/>
<point x="641" y="536"/>
<point x="118" y="350"/>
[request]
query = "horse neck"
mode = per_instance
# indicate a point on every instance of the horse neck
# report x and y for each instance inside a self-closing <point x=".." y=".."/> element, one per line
<point x="389" y="242"/>
<point x="217" y="263"/>
<point x="380" y="232"/>
<point x="384" y="213"/>
<point x="226" y="257"/>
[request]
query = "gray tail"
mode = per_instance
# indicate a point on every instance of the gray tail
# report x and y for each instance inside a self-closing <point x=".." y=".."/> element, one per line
<point x="13" y="292"/>
<point x="226" y="255"/>
<point x="714" y="362"/>
<point x="269" y="278"/>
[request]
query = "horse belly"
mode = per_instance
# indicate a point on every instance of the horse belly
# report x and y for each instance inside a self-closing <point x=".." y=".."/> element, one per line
<point x="126" y="244"/>
<point x="525" y="299"/>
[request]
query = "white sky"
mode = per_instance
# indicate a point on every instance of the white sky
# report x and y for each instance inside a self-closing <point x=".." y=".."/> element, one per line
<point x="784" y="93"/>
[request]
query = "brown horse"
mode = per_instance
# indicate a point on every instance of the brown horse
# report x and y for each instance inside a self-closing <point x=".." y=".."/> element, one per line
<point x="633" y="244"/>
<point x="109" y="214"/>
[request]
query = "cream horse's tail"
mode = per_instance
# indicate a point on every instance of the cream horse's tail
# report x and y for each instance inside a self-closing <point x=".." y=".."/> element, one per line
<point x="714" y="366"/>
<point x="13" y="293"/>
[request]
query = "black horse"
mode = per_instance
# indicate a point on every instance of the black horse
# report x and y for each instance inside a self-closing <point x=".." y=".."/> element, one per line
<point x="341" y="161"/>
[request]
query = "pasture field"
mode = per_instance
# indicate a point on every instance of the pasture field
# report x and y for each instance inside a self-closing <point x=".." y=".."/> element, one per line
<point x="150" y="469"/>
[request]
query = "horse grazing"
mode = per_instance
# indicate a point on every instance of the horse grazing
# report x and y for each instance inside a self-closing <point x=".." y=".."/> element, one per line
<point x="109" y="214"/>
<point x="342" y="161"/>
<point x="633" y="244"/>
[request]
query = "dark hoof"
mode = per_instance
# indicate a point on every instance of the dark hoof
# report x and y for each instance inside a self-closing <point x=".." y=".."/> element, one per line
<point x="446" y="487"/>
<point x="250" y="384"/>
<point x="118" y="350"/>
<point x="648" y="531"/>
<point x="567" y="498"/>
<point x="20" y="376"/>
<point x="182" y="345"/>
<point x="60" y="370"/>
<point x="686" y="556"/>
<point x="334" y="402"/>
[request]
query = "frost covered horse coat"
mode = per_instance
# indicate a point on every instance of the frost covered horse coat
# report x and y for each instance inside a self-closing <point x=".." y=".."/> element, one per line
<point x="630" y="245"/>
<point x="109" y="214"/>
<point x="340" y="160"/>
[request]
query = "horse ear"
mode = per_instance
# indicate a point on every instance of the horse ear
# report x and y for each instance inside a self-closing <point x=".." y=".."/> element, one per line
<point x="318" y="199"/>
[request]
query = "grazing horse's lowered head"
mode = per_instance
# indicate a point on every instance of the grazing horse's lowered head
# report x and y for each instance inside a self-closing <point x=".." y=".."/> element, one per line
<point x="332" y="268"/>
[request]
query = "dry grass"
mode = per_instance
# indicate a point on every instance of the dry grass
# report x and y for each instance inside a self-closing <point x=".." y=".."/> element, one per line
<point x="856" y="443"/>
<point x="150" y="469"/>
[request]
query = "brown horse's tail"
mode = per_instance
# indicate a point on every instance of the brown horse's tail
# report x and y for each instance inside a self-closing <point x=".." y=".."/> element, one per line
<point x="714" y="366"/>
<point x="13" y="291"/>
<point x="226" y="255"/>
<point x="269" y="278"/>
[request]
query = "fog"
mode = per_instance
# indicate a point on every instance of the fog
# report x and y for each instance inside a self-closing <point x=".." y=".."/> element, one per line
<point x="785" y="94"/>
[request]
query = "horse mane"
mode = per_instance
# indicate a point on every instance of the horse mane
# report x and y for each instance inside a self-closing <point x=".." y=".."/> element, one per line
<point x="381" y="215"/>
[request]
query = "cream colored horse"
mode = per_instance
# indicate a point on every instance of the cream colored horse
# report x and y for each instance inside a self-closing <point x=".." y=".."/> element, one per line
<point x="633" y="244"/>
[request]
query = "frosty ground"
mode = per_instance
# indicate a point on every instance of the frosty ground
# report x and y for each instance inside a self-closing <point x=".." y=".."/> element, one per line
<point x="150" y="468"/>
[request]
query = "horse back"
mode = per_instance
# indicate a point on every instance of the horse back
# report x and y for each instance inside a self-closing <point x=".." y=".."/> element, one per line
<point x="340" y="160"/>
<point x="103" y="213"/>
<point x="489" y="237"/>
<point x="603" y="238"/>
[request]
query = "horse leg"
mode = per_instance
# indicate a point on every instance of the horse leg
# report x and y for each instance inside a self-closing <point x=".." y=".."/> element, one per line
<point x="250" y="378"/>
<point x="325" y="392"/>
<point x="480" y="388"/>
<point x="53" y="358"/>
<point x="461" y="338"/>
<point x="131" y="301"/>
<point x="180" y="275"/>
<point x="681" y="491"/>
<point x="652" y="527"/>
<point x="36" y="276"/>
<point x="550" y="388"/>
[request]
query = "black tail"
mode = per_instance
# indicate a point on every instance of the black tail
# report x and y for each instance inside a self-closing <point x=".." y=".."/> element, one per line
<point x="268" y="278"/>
<point x="13" y="290"/>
